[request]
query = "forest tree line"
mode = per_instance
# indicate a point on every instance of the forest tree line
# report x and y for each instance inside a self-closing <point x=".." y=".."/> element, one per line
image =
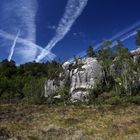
<point x="25" y="82"/>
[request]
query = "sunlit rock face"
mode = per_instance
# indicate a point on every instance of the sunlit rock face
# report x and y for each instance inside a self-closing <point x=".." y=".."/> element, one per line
<point x="52" y="86"/>
<point x="83" y="76"/>
<point x="136" y="54"/>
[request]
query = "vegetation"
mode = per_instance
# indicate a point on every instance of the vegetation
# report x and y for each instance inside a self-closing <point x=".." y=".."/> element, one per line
<point x="25" y="82"/>
<point x="90" y="52"/>
<point x="111" y="113"/>
<point x="120" y="76"/>
<point x="70" y="122"/>
<point x="138" y="38"/>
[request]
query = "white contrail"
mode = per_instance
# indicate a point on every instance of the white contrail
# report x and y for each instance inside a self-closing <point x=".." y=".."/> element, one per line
<point x="129" y="36"/>
<point x="124" y="38"/>
<point x="8" y="36"/>
<point x="124" y="34"/>
<point x="121" y="36"/>
<point x="112" y="45"/>
<point x="132" y="27"/>
<point x="72" y="11"/>
<point x="13" y="47"/>
<point x="20" y="14"/>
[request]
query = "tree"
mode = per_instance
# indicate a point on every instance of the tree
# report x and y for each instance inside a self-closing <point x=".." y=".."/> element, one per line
<point x="8" y="69"/>
<point x="138" y="38"/>
<point x="34" y="91"/>
<point x="107" y="44"/>
<point x="119" y="47"/>
<point x="124" y="66"/>
<point x="105" y="58"/>
<point x="90" y="52"/>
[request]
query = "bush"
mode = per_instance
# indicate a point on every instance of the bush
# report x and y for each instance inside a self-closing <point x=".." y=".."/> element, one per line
<point x="34" y="100"/>
<point x="134" y="99"/>
<point x="64" y="93"/>
<point x="34" y="91"/>
<point x="116" y="100"/>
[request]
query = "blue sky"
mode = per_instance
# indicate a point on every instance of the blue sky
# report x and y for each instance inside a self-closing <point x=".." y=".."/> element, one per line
<point x="37" y="22"/>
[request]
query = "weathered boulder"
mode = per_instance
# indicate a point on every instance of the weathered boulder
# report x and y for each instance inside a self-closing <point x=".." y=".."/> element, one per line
<point x="136" y="54"/>
<point x="51" y="87"/>
<point x="82" y="74"/>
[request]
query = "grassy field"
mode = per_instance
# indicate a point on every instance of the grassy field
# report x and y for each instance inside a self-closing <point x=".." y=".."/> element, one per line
<point x="70" y="122"/>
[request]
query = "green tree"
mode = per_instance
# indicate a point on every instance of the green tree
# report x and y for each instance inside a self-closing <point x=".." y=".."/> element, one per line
<point x="124" y="74"/>
<point x="34" y="91"/>
<point x="90" y="52"/>
<point x="8" y="69"/>
<point x="106" y="60"/>
<point x="138" y="38"/>
<point x="107" y="44"/>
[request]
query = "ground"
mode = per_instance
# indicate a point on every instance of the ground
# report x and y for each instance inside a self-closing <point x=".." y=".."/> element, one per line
<point x="69" y="122"/>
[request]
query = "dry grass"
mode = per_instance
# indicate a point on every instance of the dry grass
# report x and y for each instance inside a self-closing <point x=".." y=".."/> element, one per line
<point x="95" y="123"/>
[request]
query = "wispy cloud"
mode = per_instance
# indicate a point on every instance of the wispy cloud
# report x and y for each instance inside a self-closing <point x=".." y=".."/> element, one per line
<point x="72" y="11"/>
<point x="27" y="44"/>
<point x="20" y="14"/>
<point x="13" y="47"/>
<point x="79" y="34"/>
<point x="52" y="27"/>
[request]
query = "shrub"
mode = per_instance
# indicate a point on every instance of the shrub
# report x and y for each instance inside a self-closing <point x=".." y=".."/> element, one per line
<point x="64" y="93"/>
<point x="134" y="99"/>
<point x="116" y="100"/>
<point x="34" y="91"/>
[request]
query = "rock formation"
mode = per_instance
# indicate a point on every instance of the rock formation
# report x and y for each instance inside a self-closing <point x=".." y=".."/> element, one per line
<point x="82" y="74"/>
